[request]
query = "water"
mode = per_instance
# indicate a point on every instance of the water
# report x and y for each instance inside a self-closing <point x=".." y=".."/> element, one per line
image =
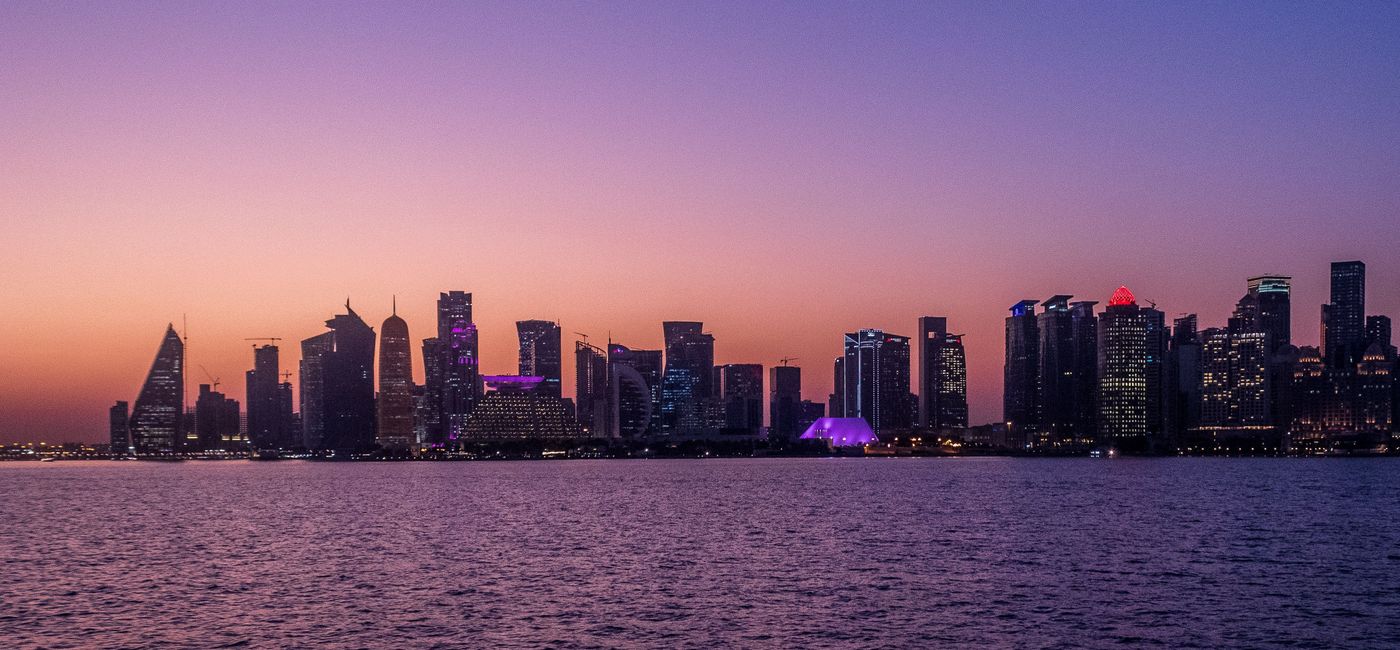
<point x="718" y="553"/>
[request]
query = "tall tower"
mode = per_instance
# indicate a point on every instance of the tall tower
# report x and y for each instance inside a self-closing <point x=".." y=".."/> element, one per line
<point x="942" y="376"/>
<point x="314" y="352"/>
<point x="876" y="382"/>
<point x="784" y="402"/>
<point x="348" y="389"/>
<point x="264" y="397"/>
<point x="1344" y="319"/>
<point x="461" y="386"/>
<point x="541" y="354"/>
<point x="118" y="419"/>
<point x="1020" y="411"/>
<point x="740" y="386"/>
<point x="1123" y="373"/>
<point x="1055" y="370"/>
<point x="1084" y="328"/>
<point x="155" y="420"/>
<point x="688" y="384"/>
<point x="591" y="386"/>
<point x="1273" y="296"/>
<point x="395" y="403"/>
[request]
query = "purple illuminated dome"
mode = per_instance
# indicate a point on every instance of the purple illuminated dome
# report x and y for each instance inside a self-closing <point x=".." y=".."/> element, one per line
<point x="842" y="432"/>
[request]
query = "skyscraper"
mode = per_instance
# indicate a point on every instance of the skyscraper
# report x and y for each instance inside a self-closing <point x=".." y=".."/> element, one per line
<point x="348" y="388"/>
<point x="1084" y="329"/>
<point x="461" y="385"/>
<point x="1344" y="319"/>
<point x="1155" y="338"/>
<point x="430" y="403"/>
<point x="635" y="390"/>
<point x="942" y="376"/>
<point x="836" y="402"/>
<point x="1183" y="378"/>
<point x="313" y="388"/>
<point x="740" y="387"/>
<point x="1122" y="373"/>
<point x="687" y="386"/>
<point x="216" y="420"/>
<point x="591" y="386"/>
<point x="394" y="406"/>
<point x="264" y="396"/>
<point x="1021" y="372"/>
<point x="155" y="420"/>
<point x="1378" y="333"/>
<point x="1272" y="294"/>
<point x="541" y="354"/>
<point x="1236" y="384"/>
<point x="1055" y="374"/>
<point x="876" y="382"/>
<point x="117" y="433"/>
<point x="784" y="402"/>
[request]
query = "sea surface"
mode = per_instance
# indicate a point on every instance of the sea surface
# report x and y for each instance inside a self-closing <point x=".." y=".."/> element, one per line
<point x="794" y="553"/>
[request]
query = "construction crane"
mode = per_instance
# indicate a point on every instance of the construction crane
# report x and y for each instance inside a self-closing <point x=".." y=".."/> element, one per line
<point x="287" y="376"/>
<point x="785" y="360"/>
<point x="585" y="336"/>
<point x="274" y="339"/>
<point x="212" y="379"/>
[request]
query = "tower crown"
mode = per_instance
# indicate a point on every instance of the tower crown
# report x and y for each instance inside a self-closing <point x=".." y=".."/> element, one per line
<point x="1122" y="297"/>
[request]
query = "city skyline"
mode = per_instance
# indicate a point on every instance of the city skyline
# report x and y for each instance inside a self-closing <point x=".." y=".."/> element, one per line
<point x="687" y="163"/>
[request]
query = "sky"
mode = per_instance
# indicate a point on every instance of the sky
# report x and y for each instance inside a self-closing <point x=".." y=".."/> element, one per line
<point x="784" y="172"/>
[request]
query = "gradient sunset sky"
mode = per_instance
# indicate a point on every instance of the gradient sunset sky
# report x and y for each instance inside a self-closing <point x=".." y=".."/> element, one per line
<point x="784" y="172"/>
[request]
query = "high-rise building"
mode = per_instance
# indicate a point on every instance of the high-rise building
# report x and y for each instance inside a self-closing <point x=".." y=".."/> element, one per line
<point x="118" y="436"/>
<point x="591" y="386"/>
<point x="1344" y="319"/>
<point x="836" y="402"/>
<point x="266" y="421"/>
<point x="1122" y="373"/>
<point x="1020" y="374"/>
<point x="430" y="402"/>
<point x="541" y="354"/>
<point x="1183" y="378"/>
<point x="650" y="368"/>
<point x="687" y="386"/>
<point x="394" y="407"/>
<point x="347" y="390"/>
<point x="942" y="376"/>
<point x="461" y="375"/>
<point x="312" y="376"/>
<point x="1084" y="334"/>
<point x="1236" y="383"/>
<point x="784" y="402"/>
<point x="156" y="418"/>
<point x="740" y="388"/>
<point x="1155" y="339"/>
<point x="809" y="413"/>
<point x="876" y="382"/>
<point x="1272" y="294"/>
<point x="216" y="420"/>
<point x="1378" y="333"/>
<point x="1055" y="375"/>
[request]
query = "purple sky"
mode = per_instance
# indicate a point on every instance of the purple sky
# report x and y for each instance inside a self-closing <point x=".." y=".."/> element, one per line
<point x="784" y="172"/>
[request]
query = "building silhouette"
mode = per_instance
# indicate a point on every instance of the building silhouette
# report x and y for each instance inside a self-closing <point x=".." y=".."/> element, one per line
<point x="591" y="388"/>
<point x="784" y="403"/>
<point x="687" y="385"/>
<point x="541" y="354"/>
<point x="1273" y="300"/>
<point x="338" y="385"/>
<point x="634" y="391"/>
<point x="1021" y="379"/>
<point x="118" y="436"/>
<point x="267" y="416"/>
<point x="155" y="425"/>
<point x="429" y="402"/>
<point x="1155" y="341"/>
<point x="876" y="382"/>
<point x="942" y="376"/>
<point x="394" y="406"/>
<point x="216" y="421"/>
<point x="461" y="376"/>
<point x="312" y="376"/>
<point x="740" y="388"/>
<point x="1122" y="372"/>
<point x="1183" y="379"/>
<point x="1344" y="318"/>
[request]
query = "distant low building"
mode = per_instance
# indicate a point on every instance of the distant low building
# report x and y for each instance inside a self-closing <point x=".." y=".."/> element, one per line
<point x="841" y="432"/>
<point x="514" y="408"/>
